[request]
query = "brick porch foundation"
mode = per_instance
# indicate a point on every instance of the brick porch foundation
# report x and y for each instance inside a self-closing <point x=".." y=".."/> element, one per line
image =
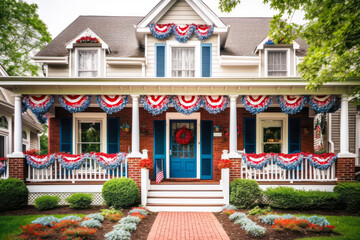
<point x="345" y="169"/>
<point x="17" y="168"/>
<point x="134" y="171"/>
<point x="235" y="170"/>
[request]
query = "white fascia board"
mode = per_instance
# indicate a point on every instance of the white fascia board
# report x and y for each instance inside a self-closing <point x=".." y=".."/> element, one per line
<point x="160" y="9"/>
<point x="261" y="45"/>
<point x="3" y="71"/>
<point x="124" y="61"/>
<point x="55" y="60"/>
<point x="86" y="32"/>
<point x="239" y="60"/>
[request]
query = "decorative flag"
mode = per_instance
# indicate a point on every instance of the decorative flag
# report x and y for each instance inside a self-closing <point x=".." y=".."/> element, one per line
<point x="109" y="161"/>
<point x="38" y="104"/>
<point x="111" y="103"/>
<point x="322" y="161"/>
<point x="187" y="104"/>
<point x="159" y="171"/>
<point x="156" y="104"/>
<point x="2" y="167"/>
<point x="75" y="103"/>
<point x="291" y="104"/>
<point x="257" y="161"/>
<point x="161" y="31"/>
<point x="288" y="161"/>
<point x="322" y="103"/>
<point x="256" y="104"/>
<point x="215" y="104"/>
<point x="183" y="32"/>
<point x="203" y="32"/>
<point x="319" y="128"/>
<point x="40" y="161"/>
<point x="72" y="161"/>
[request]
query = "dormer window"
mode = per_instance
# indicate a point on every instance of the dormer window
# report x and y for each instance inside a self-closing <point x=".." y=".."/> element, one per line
<point x="87" y="62"/>
<point x="277" y="62"/>
<point x="183" y="62"/>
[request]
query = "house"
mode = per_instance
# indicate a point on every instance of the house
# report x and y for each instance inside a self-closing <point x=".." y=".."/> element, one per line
<point x="31" y="128"/>
<point x="184" y="88"/>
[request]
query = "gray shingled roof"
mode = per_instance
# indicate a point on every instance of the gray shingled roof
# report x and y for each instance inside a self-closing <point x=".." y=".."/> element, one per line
<point x="118" y="32"/>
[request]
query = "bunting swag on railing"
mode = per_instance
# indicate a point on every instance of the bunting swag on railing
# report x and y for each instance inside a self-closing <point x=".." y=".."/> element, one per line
<point x="203" y="32"/>
<point x="2" y="167"/>
<point x="215" y="104"/>
<point x="183" y="32"/>
<point x="156" y="104"/>
<point x="322" y="161"/>
<point x="257" y="161"/>
<point x="291" y="104"/>
<point x="109" y="161"/>
<point x="161" y="31"/>
<point x="39" y="104"/>
<point x="256" y="104"/>
<point x="336" y="106"/>
<point x="187" y="104"/>
<point x="75" y="103"/>
<point x="40" y="161"/>
<point x="72" y="161"/>
<point x="322" y="103"/>
<point x="111" y="103"/>
<point x="288" y="161"/>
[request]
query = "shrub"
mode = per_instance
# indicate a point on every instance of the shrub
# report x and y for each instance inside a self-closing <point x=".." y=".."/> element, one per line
<point x="289" y="198"/>
<point x="114" y="217"/>
<point x="91" y="223"/>
<point x="268" y="219"/>
<point x="65" y="224"/>
<point x="120" y="192"/>
<point x="46" y="221"/>
<point x="244" y="221"/>
<point x="118" y="235"/>
<point x="244" y="193"/>
<point x="288" y="216"/>
<point x="130" y="227"/>
<point x="235" y="216"/>
<point x="349" y="193"/>
<point x="79" y="233"/>
<point x="46" y="202"/>
<point x="80" y="200"/>
<point x="259" y="211"/>
<point x="111" y="210"/>
<point x="255" y="230"/>
<point x="96" y="216"/>
<point x="70" y="217"/>
<point x="13" y="194"/>
<point x="318" y="220"/>
<point x="130" y="219"/>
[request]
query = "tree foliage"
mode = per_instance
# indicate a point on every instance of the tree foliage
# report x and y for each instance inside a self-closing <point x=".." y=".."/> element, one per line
<point x="332" y="31"/>
<point x="44" y="140"/>
<point x="21" y="34"/>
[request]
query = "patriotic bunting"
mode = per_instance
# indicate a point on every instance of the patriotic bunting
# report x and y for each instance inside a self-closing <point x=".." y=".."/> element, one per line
<point x="183" y="32"/>
<point x="336" y="106"/>
<point x="187" y="104"/>
<point x="39" y="104"/>
<point x="291" y="104"/>
<point x="203" y="32"/>
<point x="256" y="104"/>
<point x="215" y="104"/>
<point x="161" y="31"/>
<point x="322" y="161"/>
<point x="109" y="161"/>
<point x="111" y="103"/>
<point x="75" y="103"/>
<point x="72" y="161"/>
<point x="257" y="161"/>
<point x="156" y="104"/>
<point x="40" y="161"/>
<point x="42" y="118"/>
<point x="2" y="167"/>
<point x="288" y="161"/>
<point x="322" y="103"/>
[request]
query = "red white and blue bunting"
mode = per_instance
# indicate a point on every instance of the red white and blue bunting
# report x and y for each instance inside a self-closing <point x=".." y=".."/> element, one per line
<point x="291" y="104"/>
<point x="40" y="161"/>
<point x="288" y="161"/>
<point x="111" y="103"/>
<point x="257" y="161"/>
<point x="183" y="32"/>
<point x="161" y="31"/>
<point x="39" y="104"/>
<point x="256" y="104"/>
<point x="75" y="103"/>
<point x="336" y="105"/>
<point x="109" y="161"/>
<point x="203" y="32"/>
<point x="72" y="161"/>
<point x="215" y="104"/>
<point x="156" y="104"/>
<point x="187" y="104"/>
<point x="322" y="103"/>
<point x="2" y="167"/>
<point x="322" y="161"/>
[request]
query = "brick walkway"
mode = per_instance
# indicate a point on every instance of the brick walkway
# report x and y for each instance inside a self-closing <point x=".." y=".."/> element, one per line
<point x="187" y="226"/>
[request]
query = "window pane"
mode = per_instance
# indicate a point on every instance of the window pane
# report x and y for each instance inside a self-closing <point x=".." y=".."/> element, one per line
<point x="90" y="132"/>
<point x="271" y="131"/>
<point x="277" y="63"/>
<point x="88" y="63"/>
<point x="183" y="62"/>
<point x="4" y="122"/>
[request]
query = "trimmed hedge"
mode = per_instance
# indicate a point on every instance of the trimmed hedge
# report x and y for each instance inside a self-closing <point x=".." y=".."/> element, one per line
<point x="120" y="192"/>
<point x="13" y="194"/>
<point x="289" y="198"/>
<point x="46" y="202"/>
<point x="80" y="200"/>
<point x="244" y="193"/>
<point x="349" y="193"/>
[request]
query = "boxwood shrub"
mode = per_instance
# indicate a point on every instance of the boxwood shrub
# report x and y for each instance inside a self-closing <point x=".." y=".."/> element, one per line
<point x="13" y="194"/>
<point x="80" y="200"/>
<point x="244" y="193"/>
<point x="289" y="198"/>
<point x="46" y="202"/>
<point x="349" y="193"/>
<point x="120" y="192"/>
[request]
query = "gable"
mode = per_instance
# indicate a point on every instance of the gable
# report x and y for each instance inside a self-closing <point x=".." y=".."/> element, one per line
<point x="181" y="13"/>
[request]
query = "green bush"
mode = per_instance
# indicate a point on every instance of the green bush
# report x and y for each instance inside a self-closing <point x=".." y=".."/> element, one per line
<point x="244" y="193"/>
<point x="349" y="193"/>
<point x="46" y="202"/>
<point x="289" y="198"/>
<point x="13" y="194"/>
<point x="120" y="192"/>
<point x="80" y="200"/>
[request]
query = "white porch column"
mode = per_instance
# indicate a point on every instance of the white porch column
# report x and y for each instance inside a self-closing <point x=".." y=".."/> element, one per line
<point x="233" y="126"/>
<point x="135" y="136"/>
<point x="17" y="128"/>
<point x="344" y="125"/>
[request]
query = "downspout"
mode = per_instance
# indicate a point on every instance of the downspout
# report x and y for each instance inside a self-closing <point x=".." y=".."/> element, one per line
<point x="331" y="143"/>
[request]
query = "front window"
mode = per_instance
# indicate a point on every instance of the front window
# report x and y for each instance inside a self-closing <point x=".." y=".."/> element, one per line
<point x="277" y="63"/>
<point x="183" y="62"/>
<point x="3" y="122"/>
<point x="271" y="131"/>
<point x="89" y="136"/>
<point x="88" y="65"/>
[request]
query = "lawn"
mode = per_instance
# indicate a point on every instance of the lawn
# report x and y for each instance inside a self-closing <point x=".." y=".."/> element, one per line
<point x="11" y="224"/>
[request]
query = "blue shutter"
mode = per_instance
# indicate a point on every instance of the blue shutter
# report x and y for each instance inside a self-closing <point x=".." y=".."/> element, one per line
<point x="66" y="135"/>
<point x="159" y="144"/>
<point x="294" y="135"/>
<point x="160" y="60"/>
<point x="113" y="135"/>
<point x="206" y="141"/>
<point x="206" y="59"/>
<point x="250" y="135"/>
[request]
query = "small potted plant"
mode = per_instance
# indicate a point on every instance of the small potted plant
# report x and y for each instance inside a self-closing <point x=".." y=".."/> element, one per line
<point x="125" y="127"/>
<point x="146" y="163"/>
<point x="217" y="128"/>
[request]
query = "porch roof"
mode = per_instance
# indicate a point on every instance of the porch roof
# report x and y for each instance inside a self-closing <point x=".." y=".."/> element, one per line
<point x="171" y="86"/>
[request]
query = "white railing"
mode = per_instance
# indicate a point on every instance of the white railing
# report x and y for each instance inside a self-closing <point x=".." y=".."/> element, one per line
<point x="304" y="172"/>
<point x="90" y="170"/>
<point x="5" y="174"/>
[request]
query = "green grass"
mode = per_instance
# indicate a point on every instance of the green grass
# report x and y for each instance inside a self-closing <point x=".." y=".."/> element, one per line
<point x="11" y="224"/>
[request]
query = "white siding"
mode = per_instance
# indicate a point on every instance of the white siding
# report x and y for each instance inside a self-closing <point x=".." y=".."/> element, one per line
<point x="123" y="71"/>
<point x="34" y="141"/>
<point x="58" y="70"/>
<point x="181" y="13"/>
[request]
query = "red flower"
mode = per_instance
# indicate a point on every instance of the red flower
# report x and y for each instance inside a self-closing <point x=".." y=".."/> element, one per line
<point x="146" y="163"/>
<point x="225" y="163"/>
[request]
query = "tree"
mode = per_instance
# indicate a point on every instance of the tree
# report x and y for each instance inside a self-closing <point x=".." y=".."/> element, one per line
<point x="21" y="34"/>
<point x="44" y="140"/>
<point x="332" y="31"/>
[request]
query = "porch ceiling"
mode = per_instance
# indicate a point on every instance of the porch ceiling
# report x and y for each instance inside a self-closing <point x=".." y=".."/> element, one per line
<point x="171" y="86"/>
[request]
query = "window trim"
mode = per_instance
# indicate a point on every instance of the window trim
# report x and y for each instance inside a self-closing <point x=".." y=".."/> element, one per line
<point x="8" y="127"/>
<point x="26" y="141"/>
<point x="77" y="59"/>
<point x="287" y="60"/>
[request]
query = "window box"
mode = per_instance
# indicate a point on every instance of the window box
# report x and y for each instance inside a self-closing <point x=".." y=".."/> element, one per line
<point x="87" y="44"/>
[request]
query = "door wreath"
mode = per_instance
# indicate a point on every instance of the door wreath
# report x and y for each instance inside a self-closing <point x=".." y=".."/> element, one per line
<point x="183" y="136"/>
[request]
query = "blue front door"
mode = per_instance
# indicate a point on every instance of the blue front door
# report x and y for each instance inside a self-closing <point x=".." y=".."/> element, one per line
<point x="182" y="156"/>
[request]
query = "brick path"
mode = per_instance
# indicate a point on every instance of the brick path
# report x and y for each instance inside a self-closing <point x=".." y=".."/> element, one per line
<point x="187" y="226"/>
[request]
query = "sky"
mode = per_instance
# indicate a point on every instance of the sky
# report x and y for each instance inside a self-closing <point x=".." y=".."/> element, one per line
<point x="58" y="14"/>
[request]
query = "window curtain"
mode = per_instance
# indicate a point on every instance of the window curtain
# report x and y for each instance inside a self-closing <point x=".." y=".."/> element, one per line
<point x="277" y="63"/>
<point x="88" y="64"/>
<point x="183" y="62"/>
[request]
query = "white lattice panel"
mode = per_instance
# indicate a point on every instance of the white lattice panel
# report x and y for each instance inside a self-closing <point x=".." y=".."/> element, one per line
<point x="97" y="198"/>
